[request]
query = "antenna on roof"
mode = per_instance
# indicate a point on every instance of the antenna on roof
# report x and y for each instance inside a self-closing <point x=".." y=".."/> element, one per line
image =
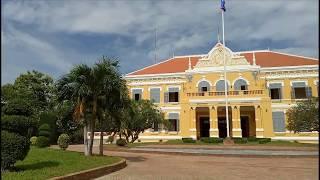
<point x="172" y="51"/>
<point x="218" y="35"/>
<point x="155" y="45"/>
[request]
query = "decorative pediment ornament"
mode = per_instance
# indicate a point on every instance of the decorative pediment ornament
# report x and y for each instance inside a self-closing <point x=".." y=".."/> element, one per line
<point x="215" y="58"/>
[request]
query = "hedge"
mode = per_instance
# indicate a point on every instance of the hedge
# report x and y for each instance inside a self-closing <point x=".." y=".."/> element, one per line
<point x="50" y="118"/>
<point x="14" y="147"/>
<point x="240" y="140"/>
<point x="211" y="140"/>
<point x="42" y="141"/>
<point x="264" y="140"/>
<point x="18" y="124"/>
<point x="45" y="130"/>
<point x="188" y="140"/>
<point x="121" y="142"/>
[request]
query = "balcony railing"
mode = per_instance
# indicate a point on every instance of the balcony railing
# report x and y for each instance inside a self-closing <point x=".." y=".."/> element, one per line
<point x="230" y="93"/>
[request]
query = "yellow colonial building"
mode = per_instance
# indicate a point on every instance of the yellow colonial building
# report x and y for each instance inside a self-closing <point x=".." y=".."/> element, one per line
<point x="261" y="86"/>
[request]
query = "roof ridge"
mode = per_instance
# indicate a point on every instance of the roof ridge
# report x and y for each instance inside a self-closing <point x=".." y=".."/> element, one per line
<point x="151" y="66"/>
<point x="262" y="50"/>
<point x="295" y="55"/>
<point x="192" y="55"/>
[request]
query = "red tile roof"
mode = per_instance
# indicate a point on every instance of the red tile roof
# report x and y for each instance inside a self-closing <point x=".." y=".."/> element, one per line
<point x="263" y="59"/>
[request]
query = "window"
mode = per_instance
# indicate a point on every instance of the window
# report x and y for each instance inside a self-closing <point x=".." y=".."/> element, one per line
<point x="275" y="90"/>
<point x="172" y="95"/>
<point x="137" y="97"/>
<point x="204" y="86"/>
<point x="299" y="90"/>
<point x="173" y="122"/>
<point x="137" y="94"/>
<point x="278" y="121"/>
<point x="220" y="85"/>
<point x="155" y="95"/>
<point x="240" y="84"/>
<point x="173" y="125"/>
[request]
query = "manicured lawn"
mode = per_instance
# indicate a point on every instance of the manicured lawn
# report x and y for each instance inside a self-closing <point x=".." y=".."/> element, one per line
<point x="46" y="163"/>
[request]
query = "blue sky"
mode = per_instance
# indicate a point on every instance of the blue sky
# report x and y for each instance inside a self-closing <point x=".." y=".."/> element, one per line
<point x="52" y="36"/>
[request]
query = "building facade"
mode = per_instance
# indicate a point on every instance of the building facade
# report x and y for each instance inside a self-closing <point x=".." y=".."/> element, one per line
<point x="262" y="86"/>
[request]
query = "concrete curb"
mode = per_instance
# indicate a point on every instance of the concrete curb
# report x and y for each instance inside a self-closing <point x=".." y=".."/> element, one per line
<point x="93" y="173"/>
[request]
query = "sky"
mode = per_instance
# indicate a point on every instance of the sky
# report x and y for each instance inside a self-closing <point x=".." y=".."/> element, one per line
<point x="53" y="36"/>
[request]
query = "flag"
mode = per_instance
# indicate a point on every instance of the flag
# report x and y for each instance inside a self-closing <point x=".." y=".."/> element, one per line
<point x="222" y="5"/>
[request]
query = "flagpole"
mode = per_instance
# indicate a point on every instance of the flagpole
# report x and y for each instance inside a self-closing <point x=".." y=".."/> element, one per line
<point x="225" y="75"/>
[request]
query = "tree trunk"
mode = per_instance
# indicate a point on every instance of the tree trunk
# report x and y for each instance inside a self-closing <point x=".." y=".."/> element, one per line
<point x="85" y="139"/>
<point x="93" y="121"/>
<point x="101" y="144"/>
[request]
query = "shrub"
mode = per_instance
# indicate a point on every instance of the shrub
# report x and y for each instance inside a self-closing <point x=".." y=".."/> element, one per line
<point x="252" y="139"/>
<point x="42" y="141"/>
<point x="110" y="139"/>
<point x="50" y="118"/>
<point x="63" y="141"/>
<point x="188" y="140"/>
<point x="211" y="140"/>
<point x="240" y="140"/>
<point x="33" y="140"/>
<point x="18" y="124"/>
<point x="264" y="140"/>
<point x="121" y="142"/>
<point x="44" y="130"/>
<point x="14" y="147"/>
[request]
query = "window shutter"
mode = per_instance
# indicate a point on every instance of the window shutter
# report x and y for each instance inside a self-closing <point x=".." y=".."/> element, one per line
<point x="166" y="97"/>
<point x="155" y="95"/>
<point x="278" y="121"/>
<point x="292" y="93"/>
<point x="308" y="92"/>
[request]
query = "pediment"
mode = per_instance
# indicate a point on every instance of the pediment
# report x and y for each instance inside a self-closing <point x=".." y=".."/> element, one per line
<point x="216" y="58"/>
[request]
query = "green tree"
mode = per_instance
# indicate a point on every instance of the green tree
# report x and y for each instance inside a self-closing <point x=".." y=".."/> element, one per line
<point x="85" y="86"/>
<point x="304" y="116"/>
<point x="141" y="115"/>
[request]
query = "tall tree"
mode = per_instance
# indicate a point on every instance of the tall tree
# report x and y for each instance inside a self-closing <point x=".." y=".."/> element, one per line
<point x="85" y="86"/>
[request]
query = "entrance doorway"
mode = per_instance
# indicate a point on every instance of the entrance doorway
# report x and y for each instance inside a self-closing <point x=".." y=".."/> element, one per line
<point x="204" y="126"/>
<point x="245" y="126"/>
<point x="222" y="126"/>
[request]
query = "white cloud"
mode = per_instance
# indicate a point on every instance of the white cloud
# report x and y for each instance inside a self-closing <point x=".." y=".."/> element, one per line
<point x="181" y="26"/>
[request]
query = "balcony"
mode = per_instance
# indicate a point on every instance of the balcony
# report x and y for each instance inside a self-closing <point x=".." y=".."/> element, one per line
<point x="249" y="93"/>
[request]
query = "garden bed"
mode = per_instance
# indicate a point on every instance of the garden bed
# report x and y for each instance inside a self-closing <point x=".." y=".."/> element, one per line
<point x="44" y="163"/>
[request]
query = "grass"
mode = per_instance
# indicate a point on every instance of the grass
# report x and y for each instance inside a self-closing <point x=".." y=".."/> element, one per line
<point x="44" y="163"/>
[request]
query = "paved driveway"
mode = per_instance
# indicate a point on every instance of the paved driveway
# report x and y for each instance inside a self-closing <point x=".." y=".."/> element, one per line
<point x="163" y="166"/>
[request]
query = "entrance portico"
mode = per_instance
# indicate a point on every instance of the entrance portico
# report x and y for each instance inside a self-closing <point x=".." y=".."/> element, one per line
<point x="210" y="121"/>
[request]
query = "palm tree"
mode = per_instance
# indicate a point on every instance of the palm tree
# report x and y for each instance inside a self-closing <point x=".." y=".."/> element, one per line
<point x="87" y="86"/>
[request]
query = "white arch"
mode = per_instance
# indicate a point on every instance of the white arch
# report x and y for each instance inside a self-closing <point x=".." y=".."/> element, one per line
<point x="234" y="81"/>
<point x="222" y="80"/>
<point x="203" y="79"/>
